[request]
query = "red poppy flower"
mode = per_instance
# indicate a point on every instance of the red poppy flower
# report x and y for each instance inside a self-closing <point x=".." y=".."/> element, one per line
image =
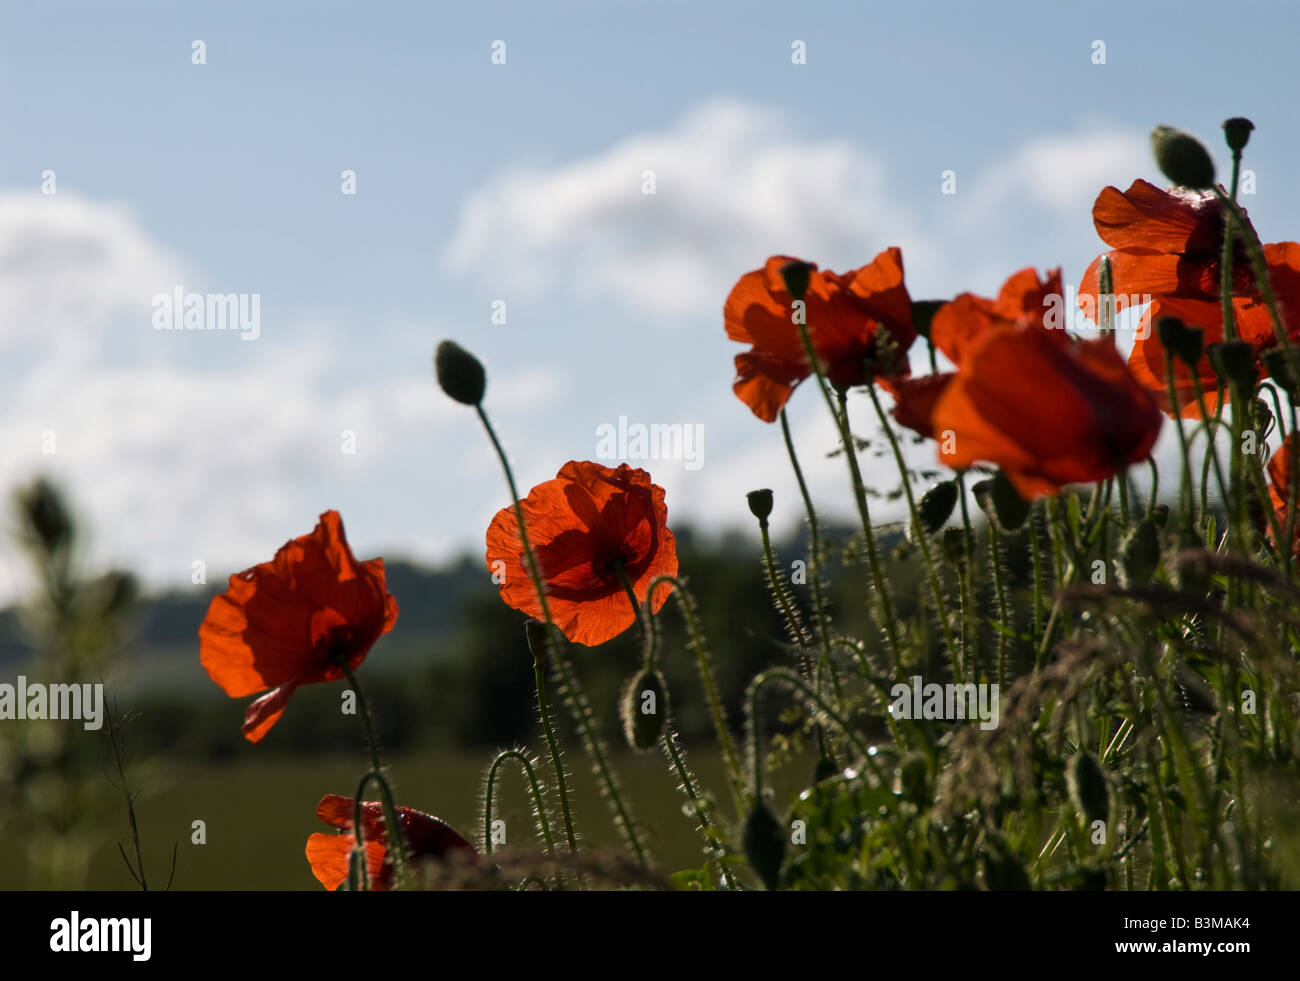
<point x="294" y="621"/>
<point x="1279" y="485"/>
<point x="426" y="838"/>
<point x="1047" y="409"/>
<point x="1251" y="320"/>
<point x="860" y="324"/>
<point x="1165" y="244"/>
<point x="582" y="525"/>
<point x="1025" y="302"/>
<point x="915" y="399"/>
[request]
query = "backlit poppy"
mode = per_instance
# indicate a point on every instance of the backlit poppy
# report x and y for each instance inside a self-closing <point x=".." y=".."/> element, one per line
<point x="426" y="838"/>
<point x="582" y="525"/>
<point x="860" y="324"/>
<point x="1251" y="320"/>
<point x="293" y="621"/>
<point x="915" y="398"/>
<point x="1049" y="410"/>
<point x="1025" y="302"/>
<point x="1166" y="243"/>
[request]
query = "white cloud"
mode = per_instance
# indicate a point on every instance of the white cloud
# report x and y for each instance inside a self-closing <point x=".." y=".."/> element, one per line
<point x="68" y="265"/>
<point x="735" y="183"/>
<point x="731" y="186"/>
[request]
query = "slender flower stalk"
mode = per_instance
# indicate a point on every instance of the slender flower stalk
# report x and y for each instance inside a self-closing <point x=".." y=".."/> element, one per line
<point x="955" y="654"/>
<point x="540" y="810"/>
<point x="704" y="666"/>
<point x="821" y="615"/>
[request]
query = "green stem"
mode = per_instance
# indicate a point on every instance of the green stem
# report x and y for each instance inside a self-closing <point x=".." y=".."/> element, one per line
<point x="704" y="666"/>
<point x="936" y="589"/>
<point x="553" y="649"/>
<point x="539" y="800"/>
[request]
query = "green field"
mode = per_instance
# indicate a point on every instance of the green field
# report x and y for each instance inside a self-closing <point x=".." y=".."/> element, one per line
<point x="259" y="813"/>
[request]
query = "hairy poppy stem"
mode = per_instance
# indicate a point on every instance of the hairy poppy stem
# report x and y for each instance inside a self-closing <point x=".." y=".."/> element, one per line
<point x="784" y="676"/>
<point x="535" y="789"/>
<point x="689" y="785"/>
<point x="1004" y="640"/>
<point x="552" y="647"/>
<point x="704" y="665"/>
<point x="552" y="746"/>
<point x="885" y="602"/>
<point x="396" y="840"/>
<point x="955" y="655"/>
<point x="367" y="722"/>
<point x="820" y="614"/>
<point x="1185" y="487"/>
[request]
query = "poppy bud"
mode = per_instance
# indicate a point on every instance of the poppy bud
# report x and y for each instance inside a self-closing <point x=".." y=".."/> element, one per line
<point x="1000" y="501"/>
<point x="1186" y="343"/>
<point x="935" y="506"/>
<point x="642" y="709"/>
<point x="764" y="844"/>
<point x="460" y="374"/>
<point x="1140" y="554"/>
<point x="912" y="779"/>
<point x="1234" y="362"/>
<point x="796" y="275"/>
<point x="1277" y="363"/>
<point x="1160" y="515"/>
<point x="1182" y="158"/>
<point x="535" y="633"/>
<point x="760" y="503"/>
<point x="1087" y="786"/>
<point x="42" y="508"/>
<point x="923" y="312"/>
<point x="1237" y="132"/>
<point x="825" y="769"/>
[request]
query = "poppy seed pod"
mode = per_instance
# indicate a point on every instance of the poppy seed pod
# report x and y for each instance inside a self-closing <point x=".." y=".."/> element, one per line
<point x="1182" y="158"/>
<point x="1237" y="132"/>
<point x="1277" y="363"/>
<point x="999" y="500"/>
<point x="460" y="374"/>
<point x="764" y="844"/>
<point x="1234" y="362"/>
<point x="760" y="503"/>
<point x="796" y="276"/>
<point x="1087" y="786"/>
<point x="1186" y="343"/>
<point x="642" y="709"/>
<point x="935" y="506"/>
<point x="42" y="507"/>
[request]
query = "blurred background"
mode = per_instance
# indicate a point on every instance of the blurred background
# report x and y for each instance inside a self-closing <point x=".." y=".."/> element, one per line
<point x="386" y="175"/>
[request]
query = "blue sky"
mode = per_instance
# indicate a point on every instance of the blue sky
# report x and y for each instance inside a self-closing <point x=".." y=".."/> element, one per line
<point x="522" y="182"/>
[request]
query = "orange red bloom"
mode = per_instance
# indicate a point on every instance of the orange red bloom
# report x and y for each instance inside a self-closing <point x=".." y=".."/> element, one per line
<point x="293" y="621"/>
<point x="1165" y="243"/>
<point x="426" y="837"/>
<point x="860" y="324"/>
<point x="583" y="525"/>
<point x="1025" y="302"/>
<point x="1168" y="247"/>
<point x="1046" y="408"/>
